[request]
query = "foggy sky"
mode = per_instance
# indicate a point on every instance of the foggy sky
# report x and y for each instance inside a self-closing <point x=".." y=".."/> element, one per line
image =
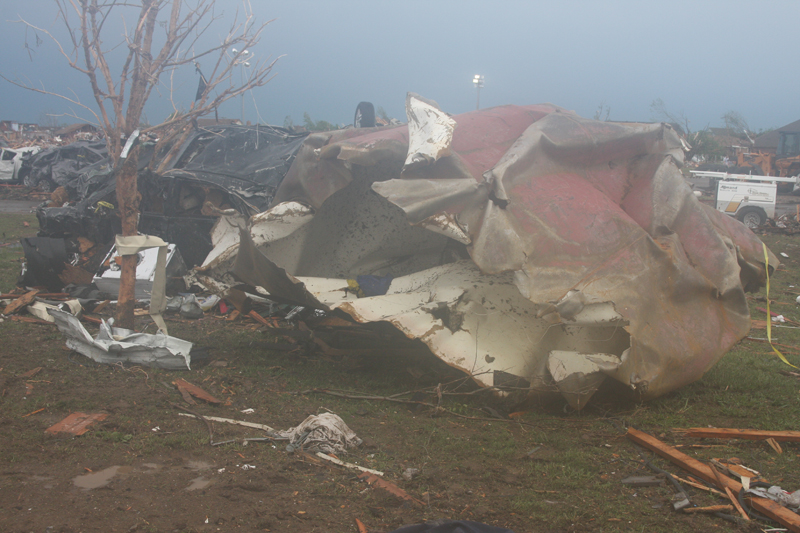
<point x="702" y="58"/>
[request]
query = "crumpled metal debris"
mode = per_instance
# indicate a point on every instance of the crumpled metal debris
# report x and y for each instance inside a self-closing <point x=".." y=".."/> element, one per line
<point x="119" y="345"/>
<point x="326" y="433"/>
<point x="545" y="253"/>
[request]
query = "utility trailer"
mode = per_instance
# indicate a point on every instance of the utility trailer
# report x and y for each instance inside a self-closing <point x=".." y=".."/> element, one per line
<point x="750" y="199"/>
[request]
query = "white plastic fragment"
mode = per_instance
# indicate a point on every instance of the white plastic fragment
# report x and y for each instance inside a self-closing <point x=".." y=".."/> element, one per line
<point x="248" y="411"/>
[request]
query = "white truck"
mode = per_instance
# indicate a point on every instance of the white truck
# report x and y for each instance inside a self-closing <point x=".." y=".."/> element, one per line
<point x="11" y="162"/>
<point x="750" y="199"/>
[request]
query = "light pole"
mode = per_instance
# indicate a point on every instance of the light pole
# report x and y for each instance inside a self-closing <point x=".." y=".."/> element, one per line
<point x="478" y="81"/>
<point x="243" y="61"/>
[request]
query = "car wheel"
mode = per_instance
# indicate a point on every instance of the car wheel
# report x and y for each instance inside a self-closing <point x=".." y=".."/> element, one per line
<point x="752" y="217"/>
<point x="46" y="185"/>
<point x="365" y="115"/>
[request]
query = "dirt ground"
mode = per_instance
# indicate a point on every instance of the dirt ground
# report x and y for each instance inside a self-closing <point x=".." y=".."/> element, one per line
<point x="145" y="468"/>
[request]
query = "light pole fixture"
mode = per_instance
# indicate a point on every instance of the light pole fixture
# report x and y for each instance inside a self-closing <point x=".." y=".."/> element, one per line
<point x="243" y="60"/>
<point x="478" y="81"/>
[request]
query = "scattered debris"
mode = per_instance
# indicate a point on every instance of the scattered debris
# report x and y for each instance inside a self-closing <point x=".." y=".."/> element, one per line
<point x="775" y="493"/>
<point x="231" y="421"/>
<point x="643" y="481"/>
<point x="325" y="433"/>
<point x="20" y="302"/>
<point x="372" y="479"/>
<point x="76" y="423"/>
<point x="410" y="473"/>
<point x="745" y="434"/>
<point x="452" y="226"/>
<point x="351" y="466"/>
<point x="710" y="509"/>
<point x="115" y="345"/>
<point x="41" y="309"/>
<point x="187" y="389"/>
<point x="774" y="445"/>
<point x="764" y="506"/>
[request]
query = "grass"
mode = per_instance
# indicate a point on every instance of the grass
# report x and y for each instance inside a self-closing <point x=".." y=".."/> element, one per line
<point x="12" y="229"/>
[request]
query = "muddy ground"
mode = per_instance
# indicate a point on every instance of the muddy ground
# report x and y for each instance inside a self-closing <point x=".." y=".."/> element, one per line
<point x="145" y="468"/>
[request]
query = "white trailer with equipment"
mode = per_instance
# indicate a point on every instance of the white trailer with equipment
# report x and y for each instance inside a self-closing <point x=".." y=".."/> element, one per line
<point x="750" y="199"/>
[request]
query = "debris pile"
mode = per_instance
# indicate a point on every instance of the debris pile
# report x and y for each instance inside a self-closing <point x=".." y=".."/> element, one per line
<point x="535" y="250"/>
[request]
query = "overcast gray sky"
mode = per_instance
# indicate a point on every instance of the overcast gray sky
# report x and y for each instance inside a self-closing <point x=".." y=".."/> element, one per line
<point x="702" y="58"/>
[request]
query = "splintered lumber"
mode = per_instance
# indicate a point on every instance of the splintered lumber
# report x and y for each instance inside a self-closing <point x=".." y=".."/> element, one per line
<point x="22" y="301"/>
<point x="697" y="485"/>
<point x="766" y="507"/>
<point x="187" y="388"/>
<point x="711" y="509"/>
<point x="745" y="434"/>
<point x="76" y="423"/>
<point x="389" y="487"/>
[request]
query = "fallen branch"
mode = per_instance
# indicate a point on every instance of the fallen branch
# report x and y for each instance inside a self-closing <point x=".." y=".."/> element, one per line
<point x="435" y="408"/>
<point x="199" y="416"/>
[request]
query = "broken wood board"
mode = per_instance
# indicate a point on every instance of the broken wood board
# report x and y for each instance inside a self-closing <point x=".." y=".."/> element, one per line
<point x="76" y="423"/>
<point x="711" y="509"/>
<point x="745" y="434"/>
<point x="767" y="507"/>
<point x="187" y="388"/>
<point x="23" y="301"/>
<point x="389" y="487"/>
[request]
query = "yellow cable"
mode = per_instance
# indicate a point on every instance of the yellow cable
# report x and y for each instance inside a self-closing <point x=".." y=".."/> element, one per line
<point x="769" y="315"/>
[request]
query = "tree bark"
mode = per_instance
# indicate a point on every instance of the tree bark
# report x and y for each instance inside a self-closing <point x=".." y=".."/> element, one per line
<point x="128" y="207"/>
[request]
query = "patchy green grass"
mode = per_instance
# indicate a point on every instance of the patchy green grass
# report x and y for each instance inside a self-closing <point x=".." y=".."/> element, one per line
<point x="12" y="229"/>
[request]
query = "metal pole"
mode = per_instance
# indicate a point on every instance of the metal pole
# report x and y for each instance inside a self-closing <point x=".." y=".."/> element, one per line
<point x="478" y="103"/>
<point x="242" y="67"/>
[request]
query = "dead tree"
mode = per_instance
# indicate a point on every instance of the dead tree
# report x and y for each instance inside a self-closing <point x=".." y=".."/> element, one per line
<point x="121" y="88"/>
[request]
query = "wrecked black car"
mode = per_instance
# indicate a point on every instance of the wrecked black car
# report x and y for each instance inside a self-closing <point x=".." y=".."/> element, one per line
<point x="58" y="165"/>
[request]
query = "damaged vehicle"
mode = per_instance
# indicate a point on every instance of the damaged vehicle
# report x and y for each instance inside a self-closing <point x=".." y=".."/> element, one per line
<point x="535" y="250"/>
<point x="58" y="165"/>
<point x="12" y="169"/>
<point x="219" y="170"/>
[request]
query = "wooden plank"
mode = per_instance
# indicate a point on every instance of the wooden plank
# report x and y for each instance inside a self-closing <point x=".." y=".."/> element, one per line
<point x="22" y="301"/>
<point x="745" y="434"/>
<point x="76" y="423"/>
<point x="766" y="507"/>
<point x="194" y="390"/>
<point x="389" y="487"/>
<point x="736" y="504"/>
<point x="711" y="509"/>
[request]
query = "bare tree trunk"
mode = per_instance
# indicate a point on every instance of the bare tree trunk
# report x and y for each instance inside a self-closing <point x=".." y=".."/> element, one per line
<point x="128" y="205"/>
